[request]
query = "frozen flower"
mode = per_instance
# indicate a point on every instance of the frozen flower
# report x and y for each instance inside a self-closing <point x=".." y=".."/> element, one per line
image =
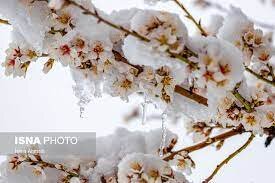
<point x="228" y="112"/>
<point x="183" y="163"/>
<point x="148" y="74"/>
<point x="122" y="85"/>
<point x="100" y="50"/>
<point x="252" y="121"/>
<point x="63" y="20"/>
<point x="18" y="59"/>
<point x="220" y="66"/>
<point x="263" y="54"/>
<point x="235" y="25"/>
<point x="159" y="85"/>
<point x="166" y="31"/>
<point x="240" y="31"/>
<point x="268" y="118"/>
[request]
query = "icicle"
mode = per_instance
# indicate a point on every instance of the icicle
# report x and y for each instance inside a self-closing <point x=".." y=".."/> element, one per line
<point x="81" y="109"/>
<point x="144" y="109"/>
<point x="164" y="133"/>
<point x="84" y="95"/>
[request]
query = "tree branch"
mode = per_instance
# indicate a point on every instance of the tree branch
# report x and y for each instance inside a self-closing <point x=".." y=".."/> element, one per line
<point x="190" y="17"/>
<point x="230" y="157"/>
<point x="193" y="96"/>
<point x="236" y="131"/>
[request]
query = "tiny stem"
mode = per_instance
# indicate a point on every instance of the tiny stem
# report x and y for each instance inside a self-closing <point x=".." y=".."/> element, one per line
<point x="230" y="157"/>
<point x="240" y="98"/>
<point x="259" y="76"/>
<point x="189" y="16"/>
<point x="236" y="131"/>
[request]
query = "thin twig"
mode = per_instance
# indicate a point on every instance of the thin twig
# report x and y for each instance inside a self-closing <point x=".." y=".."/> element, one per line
<point x="259" y="76"/>
<point x="236" y="131"/>
<point x="230" y="157"/>
<point x="189" y="16"/>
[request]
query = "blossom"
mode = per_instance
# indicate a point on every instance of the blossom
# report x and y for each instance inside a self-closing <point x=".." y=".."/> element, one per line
<point x="252" y="121"/>
<point x="63" y="20"/>
<point x="165" y="30"/>
<point x="18" y="59"/>
<point x="240" y="31"/>
<point x="100" y="50"/>
<point x="221" y="66"/>
<point x="182" y="163"/>
<point x="123" y="85"/>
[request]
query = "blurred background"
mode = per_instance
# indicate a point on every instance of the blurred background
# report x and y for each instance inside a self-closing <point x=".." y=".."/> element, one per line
<point x="47" y="103"/>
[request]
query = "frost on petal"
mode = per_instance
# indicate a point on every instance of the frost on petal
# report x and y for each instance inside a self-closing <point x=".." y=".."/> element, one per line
<point x="165" y="31"/>
<point x="19" y="56"/>
<point x="240" y="31"/>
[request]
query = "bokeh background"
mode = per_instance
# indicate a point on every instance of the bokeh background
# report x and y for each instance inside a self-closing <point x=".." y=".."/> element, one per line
<point x="47" y="103"/>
